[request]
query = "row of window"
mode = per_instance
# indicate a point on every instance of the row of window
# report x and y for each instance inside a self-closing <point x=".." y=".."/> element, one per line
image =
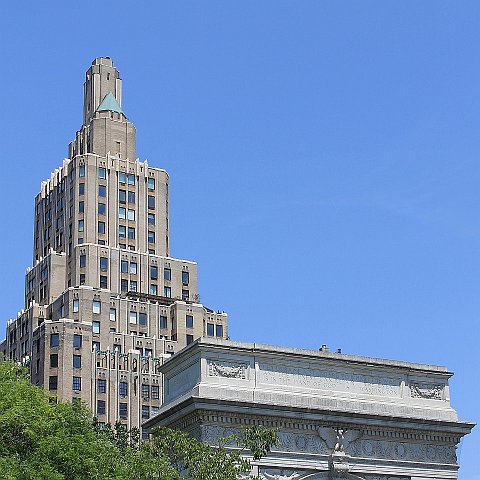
<point x="124" y="178"/>
<point x="76" y="363"/>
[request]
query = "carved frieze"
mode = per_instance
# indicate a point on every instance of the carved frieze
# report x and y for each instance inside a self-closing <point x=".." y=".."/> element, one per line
<point x="329" y="380"/>
<point x="429" y="391"/>
<point x="227" y="369"/>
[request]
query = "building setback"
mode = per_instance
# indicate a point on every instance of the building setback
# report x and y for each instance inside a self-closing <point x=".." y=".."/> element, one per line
<point x="105" y="304"/>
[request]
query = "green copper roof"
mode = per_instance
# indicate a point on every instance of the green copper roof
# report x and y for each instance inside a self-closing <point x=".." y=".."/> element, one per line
<point x="109" y="103"/>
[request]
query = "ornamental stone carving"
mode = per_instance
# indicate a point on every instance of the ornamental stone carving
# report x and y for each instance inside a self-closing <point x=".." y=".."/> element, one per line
<point x="227" y="369"/>
<point x="429" y="391"/>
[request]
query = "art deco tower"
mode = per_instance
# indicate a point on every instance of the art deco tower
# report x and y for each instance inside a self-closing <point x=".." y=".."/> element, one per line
<point x="105" y="304"/>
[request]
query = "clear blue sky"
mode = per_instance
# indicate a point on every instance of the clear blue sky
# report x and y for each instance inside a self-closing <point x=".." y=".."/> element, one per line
<point x="323" y="155"/>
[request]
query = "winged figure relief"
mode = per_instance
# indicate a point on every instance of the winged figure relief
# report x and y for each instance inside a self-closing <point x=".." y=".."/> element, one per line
<point x="338" y="439"/>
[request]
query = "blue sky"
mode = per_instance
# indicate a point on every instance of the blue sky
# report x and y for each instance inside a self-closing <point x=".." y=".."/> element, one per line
<point x="323" y="156"/>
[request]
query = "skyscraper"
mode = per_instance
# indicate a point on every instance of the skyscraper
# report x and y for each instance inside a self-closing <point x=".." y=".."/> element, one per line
<point x="105" y="303"/>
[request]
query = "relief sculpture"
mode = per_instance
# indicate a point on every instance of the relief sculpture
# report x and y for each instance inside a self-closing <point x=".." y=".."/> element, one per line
<point x="431" y="392"/>
<point x="227" y="369"/>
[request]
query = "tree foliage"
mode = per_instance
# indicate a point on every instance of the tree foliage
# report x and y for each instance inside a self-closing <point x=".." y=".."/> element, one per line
<point x="42" y="439"/>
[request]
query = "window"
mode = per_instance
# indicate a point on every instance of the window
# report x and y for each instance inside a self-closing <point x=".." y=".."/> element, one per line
<point x="101" y="227"/>
<point x="122" y="213"/>
<point x="142" y="319"/>
<point x="102" y="173"/>
<point x="185" y="278"/>
<point x="189" y="321"/>
<point x="81" y="188"/>
<point x="113" y="315"/>
<point x="54" y="339"/>
<point x="131" y="233"/>
<point x="81" y="207"/>
<point x="163" y="321"/>
<point x="100" y="407"/>
<point x="96" y="306"/>
<point x="103" y="281"/>
<point x="133" y="268"/>
<point x="101" y="209"/>
<point x="81" y="171"/>
<point x="54" y="360"/>
<point x="131" y="197"/>
<point x="96" y="346"/>
<point x="124" y="266"/>
<point x="102" y="191"/>
<point x="167" y="274"/>
<point x="82" y="279"/>
<point x="95" y="327"/>
<point x="81" y="225"/>
<point x="83" y="261"/>
<point x="155" y="411"/>
<point x="122" y="177"/>
<point x="101" y="385"/>
<point x="133" y="285"/>
<point x="131" y="179"/>
<point x="77" y="361"/>
<point x="167" y="292"/>
<point x="151" y="201"/>
<point x="112" y="330"/>
<point x="122" y="196"/>
<point x="153" y="289"/>
<point x="77" y="341"/>
<point x="52" y="382"/>
<point x="145" y="411"/>
<point x="122" y="246"/>
<point x="131" y="214"/>
<point x="151" y="219"/>
<point x="189" y="339"/>
<point x="155" y="392"/>
<point x="145" y="391"/>
<point x="151" y="184"/>
<point x="124" y="285"/>
<point x="185" y="295"/>
<point x="117" y="348"/>
<point x="75" y="306"/>
<point x="219" y="330"/>
<point x="122" y="231"/>
<point x="210" y="329"/>
<point x="153" y="272"/>
<point x="133" y="317"/>
<point x="103" y="264"/>
<point x="123" y="410"/>
<point x="123" y="389"/>
<point x="77" y="383"/>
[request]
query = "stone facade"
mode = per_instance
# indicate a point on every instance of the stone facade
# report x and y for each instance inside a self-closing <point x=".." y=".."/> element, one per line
<point x="338" y="416"/>
<point x="105" y="304"/>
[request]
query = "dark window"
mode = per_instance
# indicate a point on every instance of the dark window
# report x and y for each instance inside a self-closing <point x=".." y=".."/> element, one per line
<point x="210" y="329"/>
<point x="54" y="339"/>
<point x="219" y="330"/>
<point x="123" y="410"/>
<point x="117" y="348"/>
<point x="167" y="274"/>
<point x="122" y="177"/>
<point x="155" y="392"/>
<point x="145" y="411"/>
<point x="96" y="346"/>
<point x="124" y="266"/>
<point x="124" y="285"/>
<point x="101" y="227"/>
<point x="101" y="385"/>
<point x="122" y="231"/>
<point x="185" y="295"/>
<point x="82" y="279"/>
<point x="52" y="382"/>
<point x="153" y="289"/>
<point x="54" y="360"/>
<point x="102" y="173"/>
<point x="131" y="233"/>
<point x="81" y="171"/>
<point x="185" y="278"/>
<point x="145" y="391"/>
<point x="81" y="188"/>
<point x="142" y="319"/>
<point x="151" y="237"/>
<point x="77" y="341"/>
<point x="103" y="281"/>
<point x="100" y="407"/>
<point x="151" y="184"/>
<point x="163" y="321"/>
<point x="131" y="179"/>
<point x="151" y="201"/>
<point x="103" y="264"/>
<point x="102" y="191"/>
<point x="81" y="207"/>
<point x="122" y="196"/>
<point x="101" y="209"/>
<point x="167" y="292"/>
<point x="189" y="321"/>
<point x="131" y="197"/>
<point x="189" y="339"/>
<point x="153" y="272"/>
<point x="77" y="361"/>
<point x="151" y="219"/>
<point x="83" y="261"/>
<point x="123" y="389"/>
<point x="77" y="383"/>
